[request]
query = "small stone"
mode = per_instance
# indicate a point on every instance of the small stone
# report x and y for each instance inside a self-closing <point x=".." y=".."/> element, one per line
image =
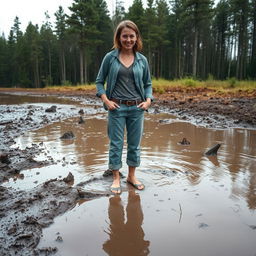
<point x="81" y="111"/>
<point x="203" y="225"/>
<point x="4" y="158"/>
<point x="68" y="135"/>
<point x="81" y="120"/>
<point x="51" y="109"/>
<point x="184" y="142"/>
<point x="59" y="239"/>
<point x="69" y="178"/>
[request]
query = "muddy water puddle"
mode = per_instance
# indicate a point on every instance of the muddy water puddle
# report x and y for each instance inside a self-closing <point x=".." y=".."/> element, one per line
<point x="192" y="204"/>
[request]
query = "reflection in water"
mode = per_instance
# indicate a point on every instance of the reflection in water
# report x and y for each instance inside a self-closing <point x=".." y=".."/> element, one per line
<point x="126" y="238"/>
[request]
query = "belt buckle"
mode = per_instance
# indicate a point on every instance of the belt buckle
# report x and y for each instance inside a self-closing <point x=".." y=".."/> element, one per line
<point x="129" y="103"/>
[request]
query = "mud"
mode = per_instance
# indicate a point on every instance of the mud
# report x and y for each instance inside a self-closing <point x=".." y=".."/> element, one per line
<point x="200" y="106"/>
<point x="210" y="108"/>
<point x="23" y="214"/>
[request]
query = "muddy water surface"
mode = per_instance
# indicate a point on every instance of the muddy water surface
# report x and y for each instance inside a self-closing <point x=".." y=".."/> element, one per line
<point x="192" y="204"/>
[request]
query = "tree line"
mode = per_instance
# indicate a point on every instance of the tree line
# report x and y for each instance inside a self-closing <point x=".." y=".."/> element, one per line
<point x="181" y="38"/>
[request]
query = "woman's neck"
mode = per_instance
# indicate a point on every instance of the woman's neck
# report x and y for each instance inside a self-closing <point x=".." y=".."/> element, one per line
<point x="127" y="52"/>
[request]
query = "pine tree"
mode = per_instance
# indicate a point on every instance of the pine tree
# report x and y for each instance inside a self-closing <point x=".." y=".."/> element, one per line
<point x="83" y="23"/>
<point x="240" y="13"/>
<point x="47" y="39"/>
<point x="136" y="14"/>
<point x="150" y="35"/>
<point x="162" y="17"/>
<point x="220" y="33"/>
<point x="61" y="32"/>
<point x="119" y="13"/>
<point x="104" y="38"/>
<point x="196" y="14"/>
<point x="252" y="64"/>
<point x="4" y="79"/>
<point x="33" y="54"/>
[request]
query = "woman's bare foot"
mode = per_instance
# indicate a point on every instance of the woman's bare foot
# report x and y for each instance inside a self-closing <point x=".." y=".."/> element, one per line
<point x="115" y="187"/>
<point x="131" y="179"/>
<point x="135" y="182"/>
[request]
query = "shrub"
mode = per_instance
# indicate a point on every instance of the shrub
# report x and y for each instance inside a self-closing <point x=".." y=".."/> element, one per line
<point x="189" y="82"/>
<point x="232" y="82"/>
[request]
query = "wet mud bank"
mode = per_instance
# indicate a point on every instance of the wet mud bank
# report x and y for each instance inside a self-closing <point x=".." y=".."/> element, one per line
<point x="15" y="120"/>
<point x="23" y="214"/>
<point x="207" y="108"/>
<point x="200" y="106"/>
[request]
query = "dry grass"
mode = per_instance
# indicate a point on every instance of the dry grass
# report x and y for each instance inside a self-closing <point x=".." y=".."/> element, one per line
<point x="71" y="88"/>
<point x="161" y="85"/>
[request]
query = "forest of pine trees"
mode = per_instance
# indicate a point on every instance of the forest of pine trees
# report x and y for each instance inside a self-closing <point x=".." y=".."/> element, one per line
<point x="181" y="38"/>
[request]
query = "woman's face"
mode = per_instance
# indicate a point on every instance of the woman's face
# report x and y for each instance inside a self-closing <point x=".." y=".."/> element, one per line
<point x="128" y="38"/>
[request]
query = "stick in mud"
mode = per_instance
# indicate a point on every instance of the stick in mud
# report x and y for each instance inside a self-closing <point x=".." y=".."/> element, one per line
<point x="213" y="151"/>
<point x="180" y="213"/>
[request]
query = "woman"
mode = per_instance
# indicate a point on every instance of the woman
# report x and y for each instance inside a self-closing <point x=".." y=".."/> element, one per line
<point x="128" y="94"/>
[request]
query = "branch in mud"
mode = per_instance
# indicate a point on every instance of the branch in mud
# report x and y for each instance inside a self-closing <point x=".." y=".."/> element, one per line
<point x="180" y="213"/>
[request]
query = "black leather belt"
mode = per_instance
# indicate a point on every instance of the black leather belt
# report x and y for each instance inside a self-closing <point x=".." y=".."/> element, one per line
<point x="127" y="102"/>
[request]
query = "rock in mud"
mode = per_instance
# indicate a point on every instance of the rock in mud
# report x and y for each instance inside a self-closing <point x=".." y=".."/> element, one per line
<point x="4" y="158"/>
<point x="109" y="173"/>
<point x="81" y="120"/>
<point x="203" y="225"/>
<point x="81" y="112"/>
<point x="69" y="178"/>
<point x="51" y="109"/>
<point x="184" y="141"/>
<point x="68" y="135"/>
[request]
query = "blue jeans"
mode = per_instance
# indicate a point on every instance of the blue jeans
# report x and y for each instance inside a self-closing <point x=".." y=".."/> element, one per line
<point x="132" y="118"/>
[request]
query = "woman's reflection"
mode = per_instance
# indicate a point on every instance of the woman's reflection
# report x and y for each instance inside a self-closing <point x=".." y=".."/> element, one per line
<point x="126" y="238"/>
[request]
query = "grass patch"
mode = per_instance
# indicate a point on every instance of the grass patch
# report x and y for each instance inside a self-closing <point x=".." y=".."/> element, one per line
<point x="85" y="87"/>
<point x="162" y="85"/>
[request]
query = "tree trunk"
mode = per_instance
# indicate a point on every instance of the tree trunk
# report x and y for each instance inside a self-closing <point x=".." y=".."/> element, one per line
<point x="50" y="66"/>
<point x="64" y="66"/>
<point x="36" y="73"/>
<point x="85" y="71"/>
<point x="253" y="52"/>
<point x="81" y="66"/>
<point x="194" y="72"/>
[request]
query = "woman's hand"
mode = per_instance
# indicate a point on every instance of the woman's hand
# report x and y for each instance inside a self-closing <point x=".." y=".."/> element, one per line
<point x="145" y="104"/>
<point x="111" y="105"/>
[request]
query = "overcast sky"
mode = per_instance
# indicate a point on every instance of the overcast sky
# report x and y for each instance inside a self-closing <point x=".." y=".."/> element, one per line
<point x="33" y="10"/>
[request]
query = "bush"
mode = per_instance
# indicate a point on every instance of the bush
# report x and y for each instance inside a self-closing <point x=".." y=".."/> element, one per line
<point x="66" y="83"/>
<point x="189" y="82"/>
<point x="232" y="82"/>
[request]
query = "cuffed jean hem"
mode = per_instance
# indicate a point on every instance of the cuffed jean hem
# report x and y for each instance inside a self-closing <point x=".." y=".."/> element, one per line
<point x="132" y="164"/>
<point x="115" y="166"/>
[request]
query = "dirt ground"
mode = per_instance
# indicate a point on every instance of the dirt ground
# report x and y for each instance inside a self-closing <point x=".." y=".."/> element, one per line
<point x="23" y="214"/>
<point x="202" y="106"/>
